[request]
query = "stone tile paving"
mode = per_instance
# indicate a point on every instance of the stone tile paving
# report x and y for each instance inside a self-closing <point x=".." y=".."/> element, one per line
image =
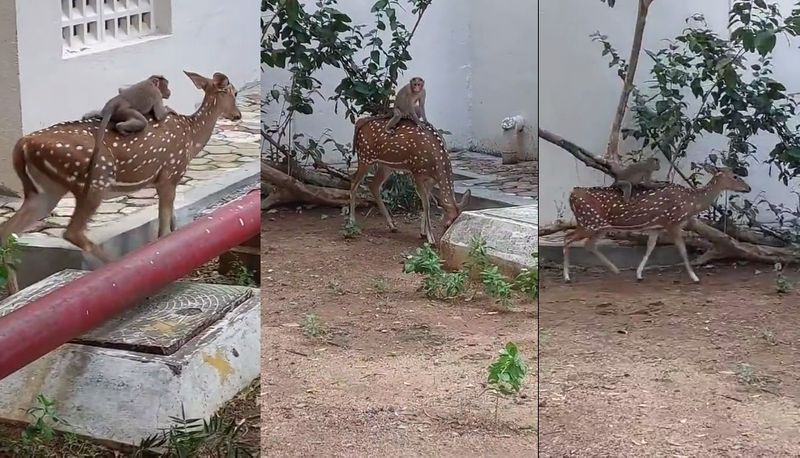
<point x="231" y="145"/>
<point x="521" y="179"/>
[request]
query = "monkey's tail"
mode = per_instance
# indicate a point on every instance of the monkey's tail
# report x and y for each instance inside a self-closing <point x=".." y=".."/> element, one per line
<point x="99" y="135"/>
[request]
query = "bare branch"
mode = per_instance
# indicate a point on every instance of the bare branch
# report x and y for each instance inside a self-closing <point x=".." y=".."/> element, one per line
<point x="612" y="152"/>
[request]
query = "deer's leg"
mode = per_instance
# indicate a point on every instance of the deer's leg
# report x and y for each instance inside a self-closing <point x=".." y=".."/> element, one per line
<point x="355" y="182"/>
<point x="166" y="207"/>
<point x="591" y="245"/>
<point x="35" y="207"/>
<point x="677" y="239"/>
<point x="76" y="229"/>
<point x="382" y="173"/>
<point x="652" y="238"/>
<point x="424" y="191"/>
<point x="571" y="237"/>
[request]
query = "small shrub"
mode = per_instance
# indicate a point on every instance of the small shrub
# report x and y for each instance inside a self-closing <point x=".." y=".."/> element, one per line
<point x="400" y="195"/>
<point x="189" y="437"/>
<point x="507" y="374"/>
<point x="312" y="326"/>
<point x="496" y="285"/>
<point x="380" y="284"/>
<point x="242" y="276"/>
<point x="351" y="230"/>
<point x="437" y="283"/>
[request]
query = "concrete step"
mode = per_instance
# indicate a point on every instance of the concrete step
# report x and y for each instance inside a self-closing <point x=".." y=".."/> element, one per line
<point x="510" y="234"/>
<point x="192" y="344"/>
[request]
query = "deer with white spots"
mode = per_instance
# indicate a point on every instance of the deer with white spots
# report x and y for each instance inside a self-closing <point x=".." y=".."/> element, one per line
<point x="669" y="208"/>
<point x="418" y="150"/>
<point x="54" y="161"/>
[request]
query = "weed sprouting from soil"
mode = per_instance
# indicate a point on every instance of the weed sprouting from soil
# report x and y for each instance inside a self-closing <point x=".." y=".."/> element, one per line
<point x="313" y="326"/>
<point x="506" y="374"/>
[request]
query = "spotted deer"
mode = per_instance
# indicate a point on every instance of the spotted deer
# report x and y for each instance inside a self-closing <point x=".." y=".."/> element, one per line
<point x="55" y="160"/>
<point x="420" y="151"/>
<point x="669" y="208"/>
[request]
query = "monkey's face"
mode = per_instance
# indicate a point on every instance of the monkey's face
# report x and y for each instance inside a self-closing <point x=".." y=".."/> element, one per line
<point x="654" y="164"/>
<point x="417" y="85"/>
<point x="163" y="86"/>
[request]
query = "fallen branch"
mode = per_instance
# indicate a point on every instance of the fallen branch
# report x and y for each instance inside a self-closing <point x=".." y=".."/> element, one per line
<point x="289" y="190"/>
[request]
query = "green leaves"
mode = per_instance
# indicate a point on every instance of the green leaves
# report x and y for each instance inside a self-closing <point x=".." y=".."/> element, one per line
<point x="508" y="372"/>
<point x="765" y="41"/>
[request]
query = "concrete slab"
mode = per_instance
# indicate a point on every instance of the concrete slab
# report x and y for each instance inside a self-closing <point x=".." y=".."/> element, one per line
<point x="510" y="234"/>
<point x="625" y="256"/>
<point x="125" y="380"/>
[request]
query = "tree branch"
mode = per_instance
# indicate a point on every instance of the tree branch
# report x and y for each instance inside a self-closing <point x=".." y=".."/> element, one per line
<point x="612" y="152"/>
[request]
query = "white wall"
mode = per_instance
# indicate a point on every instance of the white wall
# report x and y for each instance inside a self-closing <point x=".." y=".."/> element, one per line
<point x="579" y="93"/>
<point x="207" y="36"/>
<point x="479" y="63"/>
<point x="11" y="114"/>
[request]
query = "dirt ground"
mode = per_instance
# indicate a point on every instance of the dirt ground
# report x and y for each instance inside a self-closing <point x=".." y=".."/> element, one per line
<point x="395" y="374"/>
<point x="667" y="368"/>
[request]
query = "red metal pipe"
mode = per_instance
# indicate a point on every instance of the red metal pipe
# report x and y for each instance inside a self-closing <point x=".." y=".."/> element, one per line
<point x="40" y="327"/>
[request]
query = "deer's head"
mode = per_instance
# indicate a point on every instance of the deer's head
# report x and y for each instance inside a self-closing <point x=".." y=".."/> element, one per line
<point x="726" y="179"/>
<point x="451" y="212"/>
<point x="219" y="87"/>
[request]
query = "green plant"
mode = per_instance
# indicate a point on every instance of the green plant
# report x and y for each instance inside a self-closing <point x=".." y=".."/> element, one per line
<point x="496" y="285"/>
<point x="477" y="256"/>
<point x="192" y="437"/>
<point x="507" y="374"/>
<point x="400" y="195"/>
<point x="312" y="326"/>
<point x="242" y="276"/>
<point x="380" y="284"/>
<point x="425" y="261"/>
<point x="9" y="258"/>
<point x="351" y="230"/>
<point x="437" y="284"/>
<point x="527" y="281"/>
<point x="782" y="284"/>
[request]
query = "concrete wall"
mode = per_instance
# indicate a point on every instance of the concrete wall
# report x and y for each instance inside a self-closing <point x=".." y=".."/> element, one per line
<point x="207" y="36"/>
<point x="11" y="114"/>
<point x="478" y="59"/>
<point x="579" y="93"/>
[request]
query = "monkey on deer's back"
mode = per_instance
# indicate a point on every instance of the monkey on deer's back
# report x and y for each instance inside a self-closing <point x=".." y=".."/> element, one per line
<point x="409" y="103"/>
<point x="127" y="111"/>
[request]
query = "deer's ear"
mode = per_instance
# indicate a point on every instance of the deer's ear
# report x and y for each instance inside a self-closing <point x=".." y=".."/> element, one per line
<point x="199" y="81"/>
<point x="220" y="81"/>
<point x="710" y="168"/>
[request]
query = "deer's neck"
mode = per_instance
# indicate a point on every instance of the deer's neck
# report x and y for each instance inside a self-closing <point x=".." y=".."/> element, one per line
<point x="201" y="123"/>
<point x="445" y="181"/>
<point x="705" y="196"/>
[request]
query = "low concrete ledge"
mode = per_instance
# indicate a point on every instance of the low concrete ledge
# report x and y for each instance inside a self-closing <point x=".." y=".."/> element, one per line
<point x="192" y="345"/>
<point x="510" y="234"/>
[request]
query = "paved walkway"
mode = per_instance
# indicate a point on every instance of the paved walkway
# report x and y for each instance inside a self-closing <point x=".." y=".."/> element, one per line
<point x="231" y="145"/>
<point x="521" y="179"/>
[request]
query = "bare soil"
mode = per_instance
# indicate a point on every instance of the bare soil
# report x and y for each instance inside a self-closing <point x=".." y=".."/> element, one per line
<point x="394" y="374"/>
<point x="667" y="368"/>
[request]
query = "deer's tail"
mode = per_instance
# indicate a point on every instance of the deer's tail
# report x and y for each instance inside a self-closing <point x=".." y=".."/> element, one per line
<point x="99" y="135"/>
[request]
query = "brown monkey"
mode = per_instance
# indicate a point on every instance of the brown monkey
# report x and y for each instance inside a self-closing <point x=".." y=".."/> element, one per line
<point x="127" y="111"/>
<point x="409" y="103"/>
<point x="636" y="174"/>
